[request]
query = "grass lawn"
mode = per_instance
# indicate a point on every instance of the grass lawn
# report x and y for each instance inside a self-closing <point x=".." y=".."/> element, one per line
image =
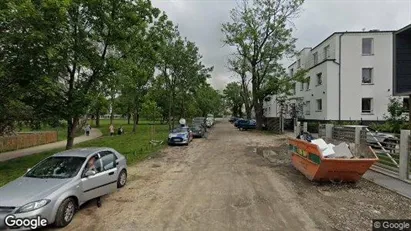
<point x="135" y="147"/>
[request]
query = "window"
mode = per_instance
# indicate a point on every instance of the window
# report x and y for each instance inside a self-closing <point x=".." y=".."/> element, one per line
<point x="405" y="104"/>
<point x="307" y="107"/>
<point x="367" y="46"/>
<point x="319" y="79"/>
<point x="315" y="56"/>
<point x="302" y="86"/>
<point x="299" y="63"/>
<point x="292" y="72"/>
<point x="366" y="105"/>
<point x="108" y="160"/>
<point x="367" y="75"/>
<point x="94" y="164"/>
<point x="308" y="84"/>
<point x="319" y="104"/>
<point x="294" y="88"/>
<point x="326" y="52"/>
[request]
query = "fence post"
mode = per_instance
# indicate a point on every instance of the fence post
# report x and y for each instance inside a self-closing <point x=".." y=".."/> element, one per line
<point x="329" y="131"/>
<point x="404" y="154"/>
<point x="357" y="135"/>
<point x="305" y="125"/>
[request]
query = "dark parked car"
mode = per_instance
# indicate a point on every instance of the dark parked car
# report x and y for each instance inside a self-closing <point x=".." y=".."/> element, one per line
<point x="246" y="124"/>
<point x="198" y="130"/>
<point x="238" y="121"/>
<point x="232" y="119"/>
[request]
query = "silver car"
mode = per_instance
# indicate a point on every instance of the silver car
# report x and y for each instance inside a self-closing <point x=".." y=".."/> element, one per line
<point x="57" y="186"/>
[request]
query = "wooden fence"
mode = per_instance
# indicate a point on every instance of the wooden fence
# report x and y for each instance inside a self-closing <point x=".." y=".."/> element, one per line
<point x="26" y="140"/>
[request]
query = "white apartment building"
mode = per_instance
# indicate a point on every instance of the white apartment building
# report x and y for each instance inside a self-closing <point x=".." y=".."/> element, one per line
<point x="350" y="77"/>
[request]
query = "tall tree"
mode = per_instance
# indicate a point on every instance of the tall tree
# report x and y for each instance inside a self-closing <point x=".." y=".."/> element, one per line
<point x="240" y="66"/>
<point x="232" y="93"/>
<point x="261" y="33"/>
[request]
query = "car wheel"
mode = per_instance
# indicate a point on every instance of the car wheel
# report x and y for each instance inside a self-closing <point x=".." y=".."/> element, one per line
<point x="122" y="179"/>
<point x="65" y="212"/>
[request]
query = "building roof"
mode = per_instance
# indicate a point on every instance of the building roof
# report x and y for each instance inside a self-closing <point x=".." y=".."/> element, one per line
<point x="354" y="32"/>
<point x="81" y="152"/>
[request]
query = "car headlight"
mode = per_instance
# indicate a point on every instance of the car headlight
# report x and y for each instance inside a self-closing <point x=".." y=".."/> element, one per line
<point x="33" y="206"/>
<point x="170" y="136"/>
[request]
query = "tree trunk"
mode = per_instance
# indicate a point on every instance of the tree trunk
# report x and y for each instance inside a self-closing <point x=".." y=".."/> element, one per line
<point x="128" y="118"/>
<point x="135" y="122"/>
<point x="72" y="124"/>
<point x="98" y="118"/>
<point x="258" y="107"/>
<point x="111" y="116"/>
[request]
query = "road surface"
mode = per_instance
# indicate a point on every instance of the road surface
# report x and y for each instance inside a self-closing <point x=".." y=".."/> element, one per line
<point x="226" y="183"/>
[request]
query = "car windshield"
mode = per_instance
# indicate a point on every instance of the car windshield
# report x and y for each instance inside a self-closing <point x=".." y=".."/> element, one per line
<point x="57" y="167"/>
<point x="179" y="130"/>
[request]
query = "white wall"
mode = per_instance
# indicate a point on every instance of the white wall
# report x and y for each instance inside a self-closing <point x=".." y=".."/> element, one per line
<point x="352" y="62"/>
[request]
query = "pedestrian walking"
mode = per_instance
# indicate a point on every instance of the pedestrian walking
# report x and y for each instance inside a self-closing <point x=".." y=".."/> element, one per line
<point x="111" y="130"/>
<point x="120" y="131"/>
<point x="88" y="129"/>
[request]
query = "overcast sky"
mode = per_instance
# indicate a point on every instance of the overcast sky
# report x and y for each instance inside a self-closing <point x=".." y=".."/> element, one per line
<point x="200" y="21"/>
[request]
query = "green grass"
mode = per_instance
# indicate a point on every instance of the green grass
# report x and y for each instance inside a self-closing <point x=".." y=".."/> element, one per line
<point x="135" y="147"/>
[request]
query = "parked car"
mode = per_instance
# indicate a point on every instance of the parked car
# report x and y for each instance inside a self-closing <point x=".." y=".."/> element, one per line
<point x="57" y="186"/>
<point x="198" y="131"/>
<point x="211" y="118"/>
<point x="246" y="124"/>
<point x="180" y="135"/>
<point x="387" y="140"/>
<point x="209" y="122"/>
<point x="237" y="121"/>
<point x="232" y="119"/>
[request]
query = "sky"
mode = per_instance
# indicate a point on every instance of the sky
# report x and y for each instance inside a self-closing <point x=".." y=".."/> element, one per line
<point x="200" y="21"/>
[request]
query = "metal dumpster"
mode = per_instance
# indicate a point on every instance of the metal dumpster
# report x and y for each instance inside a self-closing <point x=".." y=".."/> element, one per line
<point x="307" y="158"/>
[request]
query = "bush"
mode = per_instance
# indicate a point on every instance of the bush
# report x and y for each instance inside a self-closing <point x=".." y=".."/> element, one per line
<point x="312" y="127"/>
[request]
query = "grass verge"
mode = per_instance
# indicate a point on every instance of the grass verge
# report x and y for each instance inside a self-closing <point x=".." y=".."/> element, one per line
<point x="134" y="146"/>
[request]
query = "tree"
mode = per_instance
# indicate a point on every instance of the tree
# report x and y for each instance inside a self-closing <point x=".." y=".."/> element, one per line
<point x="232" y="93"/>
<point x="68" y="50"/>
<point x="240" y="66"/>
<point x="395" y="117"/>
<point x="181" y="73"/>
<point x="260" y="33"/>
<point x="207" y="100"/>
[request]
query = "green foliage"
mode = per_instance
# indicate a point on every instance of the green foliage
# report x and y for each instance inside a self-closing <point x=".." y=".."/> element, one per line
<point x="260" y="33"/>
<point x="150" y="110"/>
<point x="232" y="93"/>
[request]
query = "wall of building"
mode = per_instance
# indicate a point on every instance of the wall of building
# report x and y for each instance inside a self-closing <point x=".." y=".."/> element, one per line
<point x="352" y="62"/>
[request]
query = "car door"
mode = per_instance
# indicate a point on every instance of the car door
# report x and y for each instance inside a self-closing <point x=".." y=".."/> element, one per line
<point x="105" y="179"/>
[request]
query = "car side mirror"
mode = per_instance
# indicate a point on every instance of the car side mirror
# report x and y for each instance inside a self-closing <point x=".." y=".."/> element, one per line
<point x="90" y="173"/>
<point x="28" y="169"/>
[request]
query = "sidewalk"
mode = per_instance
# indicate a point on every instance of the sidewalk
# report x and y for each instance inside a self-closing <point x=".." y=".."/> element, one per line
<point x="391" y="183"/>
<point x="95" y="133"/>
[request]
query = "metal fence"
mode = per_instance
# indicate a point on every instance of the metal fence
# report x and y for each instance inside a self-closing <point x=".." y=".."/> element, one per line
<point x="346" y="134"/>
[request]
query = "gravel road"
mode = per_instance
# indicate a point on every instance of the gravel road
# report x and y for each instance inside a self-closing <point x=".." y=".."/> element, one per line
<point x="235" y="181"/>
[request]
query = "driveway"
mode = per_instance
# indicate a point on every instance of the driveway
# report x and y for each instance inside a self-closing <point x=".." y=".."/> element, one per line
<point x="225" y="183"/>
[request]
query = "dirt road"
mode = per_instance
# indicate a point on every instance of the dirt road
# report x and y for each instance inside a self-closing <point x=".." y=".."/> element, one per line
<point x="225" y="183"/>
